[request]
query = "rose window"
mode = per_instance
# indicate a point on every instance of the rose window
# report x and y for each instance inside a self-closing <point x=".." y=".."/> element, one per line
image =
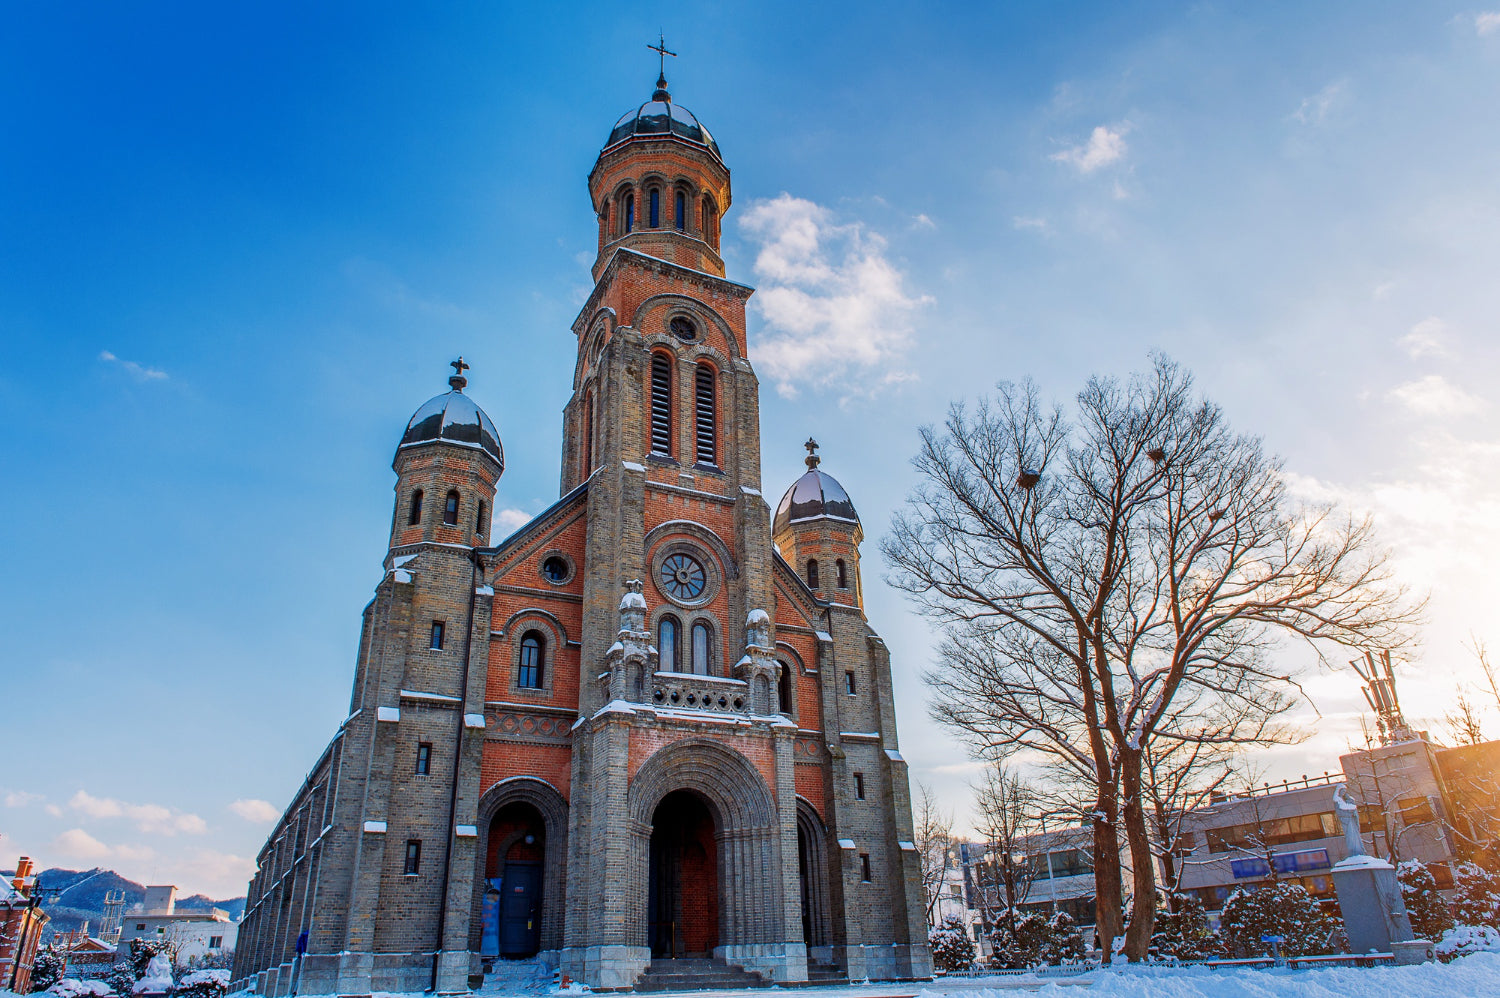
<point x="683" y="577"/>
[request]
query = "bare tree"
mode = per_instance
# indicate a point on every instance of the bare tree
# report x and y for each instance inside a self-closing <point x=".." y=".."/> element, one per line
<point x="1482" y="654"/>
<point x="934" y="832"/>
<point x="1179" y="778"/>
<point x="1463" y="720"/>
<point x="1006" y="808"/>
<point x="1119" y="584"/>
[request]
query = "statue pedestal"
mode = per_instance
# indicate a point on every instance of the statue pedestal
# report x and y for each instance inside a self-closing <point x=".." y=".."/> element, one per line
<point x="1370" y="900"/>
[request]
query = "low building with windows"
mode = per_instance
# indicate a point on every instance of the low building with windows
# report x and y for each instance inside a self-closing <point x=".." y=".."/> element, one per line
<point x="21" y="923"/>
<point x="192" y="934"/>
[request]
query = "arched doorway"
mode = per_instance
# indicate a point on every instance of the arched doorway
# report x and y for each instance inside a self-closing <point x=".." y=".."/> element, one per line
<point x="812" y="875"/>
<point x="513" y="870"/>
<point x="683" y="878"/>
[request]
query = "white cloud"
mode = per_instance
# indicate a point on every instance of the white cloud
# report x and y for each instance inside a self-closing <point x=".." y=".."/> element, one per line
<point x="1487" y="22"/>
<point x="923" y="222"/>
<point x="137" y="371"/>
<point x="1105" y="146"/>
<point x="1434" y="395"/>
<point x="75" y="843"/>
<point x="1023" y="222"/>
<point x="1315" y="110"/>
<point x="836" y="309"/>
<point x="20" y="798"/>
<point x="507" y="521"/>
<point x="152" y="818"/>
<point x="1426" y="337"/>
<point x="258" y="811"/>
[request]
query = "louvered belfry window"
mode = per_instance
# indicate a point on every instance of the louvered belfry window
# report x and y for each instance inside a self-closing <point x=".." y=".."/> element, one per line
<point x="707" y="413"/>
<point x="661" y="404"/>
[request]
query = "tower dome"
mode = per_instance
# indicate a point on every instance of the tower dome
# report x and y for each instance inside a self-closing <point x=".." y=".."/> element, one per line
<point x="659" y="116"/>
<point x="815" y="495"/>
<point x="454" y="418"/>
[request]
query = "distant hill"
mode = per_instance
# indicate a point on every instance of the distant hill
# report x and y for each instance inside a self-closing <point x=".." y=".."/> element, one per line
<point x="72" y="897"/>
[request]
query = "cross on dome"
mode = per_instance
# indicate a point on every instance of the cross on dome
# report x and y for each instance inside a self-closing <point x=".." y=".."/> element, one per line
<point x="458" y="381"/>
<point x="812" y="458"/>
<point x="661" y="50"/>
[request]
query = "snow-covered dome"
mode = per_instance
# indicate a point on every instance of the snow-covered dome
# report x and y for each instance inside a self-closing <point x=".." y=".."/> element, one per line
<point x="454" y="418"/>
<point x="814" y="495"/>
<point x="659" y="116"/>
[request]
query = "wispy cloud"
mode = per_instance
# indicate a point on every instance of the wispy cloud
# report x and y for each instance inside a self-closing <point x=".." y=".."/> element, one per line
<point x="258" y="811"/>
<point x="20" y="798"/>
<point x="152" y="818"/>
<point x="1105" y="145"/>
<point x="392" y="292"/>
<point x="1487" y="22"/>
<point x="1315" y="110"/>
<point x="1434" y="395"/>
<point x="836" y="308"/>
<point x="139" y="372"/>
<point x="508" y="521"/>
<point x="1426" y="338"/>
<point x="76" y="844"/>
<point x="1024" y="222"/>
<point x="923" y="222"/>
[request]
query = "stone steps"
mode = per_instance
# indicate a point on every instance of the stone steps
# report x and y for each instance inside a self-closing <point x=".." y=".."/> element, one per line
<point x="696" y="974"/>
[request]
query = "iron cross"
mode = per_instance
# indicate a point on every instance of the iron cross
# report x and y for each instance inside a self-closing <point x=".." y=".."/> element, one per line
<point x="459" y="367"/>
<point x="660" y="48"/>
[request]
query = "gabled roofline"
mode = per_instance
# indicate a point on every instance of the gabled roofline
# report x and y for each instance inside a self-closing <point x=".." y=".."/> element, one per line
<point x="623" y="255"/>
<point x="526" y="529"/>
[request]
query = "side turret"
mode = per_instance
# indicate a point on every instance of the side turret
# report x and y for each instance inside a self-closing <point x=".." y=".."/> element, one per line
<point x="818" y="533"/>
<point x="447" y="466"/>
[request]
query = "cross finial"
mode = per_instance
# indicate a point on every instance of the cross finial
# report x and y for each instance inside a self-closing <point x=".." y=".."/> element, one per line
<point x="458" y="381"/>
<point x="661" y="50"/>
<point x="812" y="458"/>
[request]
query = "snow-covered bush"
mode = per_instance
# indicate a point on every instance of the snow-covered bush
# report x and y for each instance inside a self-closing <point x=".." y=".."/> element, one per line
<point x="120" y="978"/>
<point x="46" y="968"/>
<point x="1476" y="896"/>
<point x="1184" y="934"/>
<point x="1425" y="906"/>
<point x="70" y="987"/>
<point x="1037" y="940"/>
<point x="1462" y="940"/>
<point x="1278" y="909"/>
<point x="952" y="949"/>
<point x="203" y="984"/>
<point x="1063" y="943"/>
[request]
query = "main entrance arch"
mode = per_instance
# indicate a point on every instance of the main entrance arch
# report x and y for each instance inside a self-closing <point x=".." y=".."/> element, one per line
<point x="709" y="853"/>
<point x="520" y="890"/>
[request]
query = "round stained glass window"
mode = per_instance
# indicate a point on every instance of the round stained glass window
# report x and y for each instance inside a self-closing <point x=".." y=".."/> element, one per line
<point x="684" y="329"/>
<point x="683" y="577"/>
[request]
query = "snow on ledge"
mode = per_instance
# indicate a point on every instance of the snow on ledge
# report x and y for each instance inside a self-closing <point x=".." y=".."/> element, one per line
<point x="847" y="844"/>
<point x="474" y="721"/>
<point x="466" y="831"/>
<point x="387" y="713"/>
<point x="375" y="826"/>
<point x="1362" y="863"/>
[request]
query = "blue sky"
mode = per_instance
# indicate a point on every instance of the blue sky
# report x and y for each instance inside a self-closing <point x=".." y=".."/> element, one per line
<point x="241" y="245"/>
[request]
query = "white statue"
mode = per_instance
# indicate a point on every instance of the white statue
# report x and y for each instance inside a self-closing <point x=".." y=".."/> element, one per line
<point x="1348" y="814"/>
<point x="158" y="979"/>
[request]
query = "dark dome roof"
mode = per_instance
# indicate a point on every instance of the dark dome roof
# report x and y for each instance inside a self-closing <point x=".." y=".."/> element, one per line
<point x="659" y="116"/>
<point x="816" y="494"/>
<point x="454" y="418"/>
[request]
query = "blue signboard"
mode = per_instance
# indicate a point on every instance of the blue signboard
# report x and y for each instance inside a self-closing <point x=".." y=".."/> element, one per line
<point x="1287" y="862"/>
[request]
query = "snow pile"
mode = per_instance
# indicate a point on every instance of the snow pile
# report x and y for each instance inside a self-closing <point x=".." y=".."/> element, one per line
<point x="70" y="987"/>
<point x="1461" y="940"/>
<point x="1474" y="975"/>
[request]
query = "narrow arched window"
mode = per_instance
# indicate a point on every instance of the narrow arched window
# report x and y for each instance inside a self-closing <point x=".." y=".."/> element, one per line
<point x="655" y="207"/>
<point x="701" y="646"/>
<point x="666" y="644"/>
<point x="706" y="410"/>
<point x="843" y="573"/>
<point x="588" y="434"/>
<point x="784" y="688"/>
<point x="710" y="222"/>
<point x="629" y="212"/>
<point x="450" y="509"/>
<point x="479" y="519"/>
<point x="533" y="660"/>
<point x="661" y="404"/>
<point x="414" y="515"/>
<point x="679" y="212"/>
<point x="812" y="573"/>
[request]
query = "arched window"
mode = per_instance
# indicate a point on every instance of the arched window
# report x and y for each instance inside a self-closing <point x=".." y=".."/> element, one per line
<point x="701" y="645"/>
<point x="710" y="221"/>
<point x="655" y="207"/>
<point x="784" y="688"/>
<point x="812" y="573"/>
<point x="533" y="660"/>
<point x="679" y="212"/>
<point x="414" y="516"/>
<point x="479" y="520"/>
<point x="666" y="644"/>
<point x="588" y="434"/>
<point x="661" y="404"/>
<point x="706" y="410"/>
<point x="629" y="212"/>
<point x="450" y="508"/>
<point x="843" y="573"/>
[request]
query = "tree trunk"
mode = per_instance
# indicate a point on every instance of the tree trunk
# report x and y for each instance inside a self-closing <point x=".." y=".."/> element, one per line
<point x="1107" y="877"/>
<point x="1143" y="873"/>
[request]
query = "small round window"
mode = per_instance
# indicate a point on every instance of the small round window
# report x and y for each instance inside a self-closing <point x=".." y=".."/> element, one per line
<point x="555" y="569"/>
<point x="684" y="329"/>
<point x="683" y="577"/>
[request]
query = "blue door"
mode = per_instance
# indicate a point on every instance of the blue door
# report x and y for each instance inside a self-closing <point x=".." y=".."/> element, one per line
<point x="521" y="909"/>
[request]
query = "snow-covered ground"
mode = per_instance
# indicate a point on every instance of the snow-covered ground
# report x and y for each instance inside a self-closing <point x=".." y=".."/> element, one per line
<point x="1476" y="976"/>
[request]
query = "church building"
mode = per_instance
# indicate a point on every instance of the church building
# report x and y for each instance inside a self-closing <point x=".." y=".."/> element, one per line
<point x="651" y="729"/>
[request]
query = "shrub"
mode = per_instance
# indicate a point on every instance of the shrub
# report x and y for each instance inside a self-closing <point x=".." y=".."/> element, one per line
<point x="203" y="984"/>
<point x="1424" y="904"/>
<point x="46" y="968"/>
<point x="70" y="987"/>
<point x="120" y="978"/>
<point x="952" y="949"/>
<point x="1184" y="933"/>
<point x="1062" y="943"/>
<point x="1462" y="940"/>
<point x="1277" y="909"/>
<point x="1477" y="896"/>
